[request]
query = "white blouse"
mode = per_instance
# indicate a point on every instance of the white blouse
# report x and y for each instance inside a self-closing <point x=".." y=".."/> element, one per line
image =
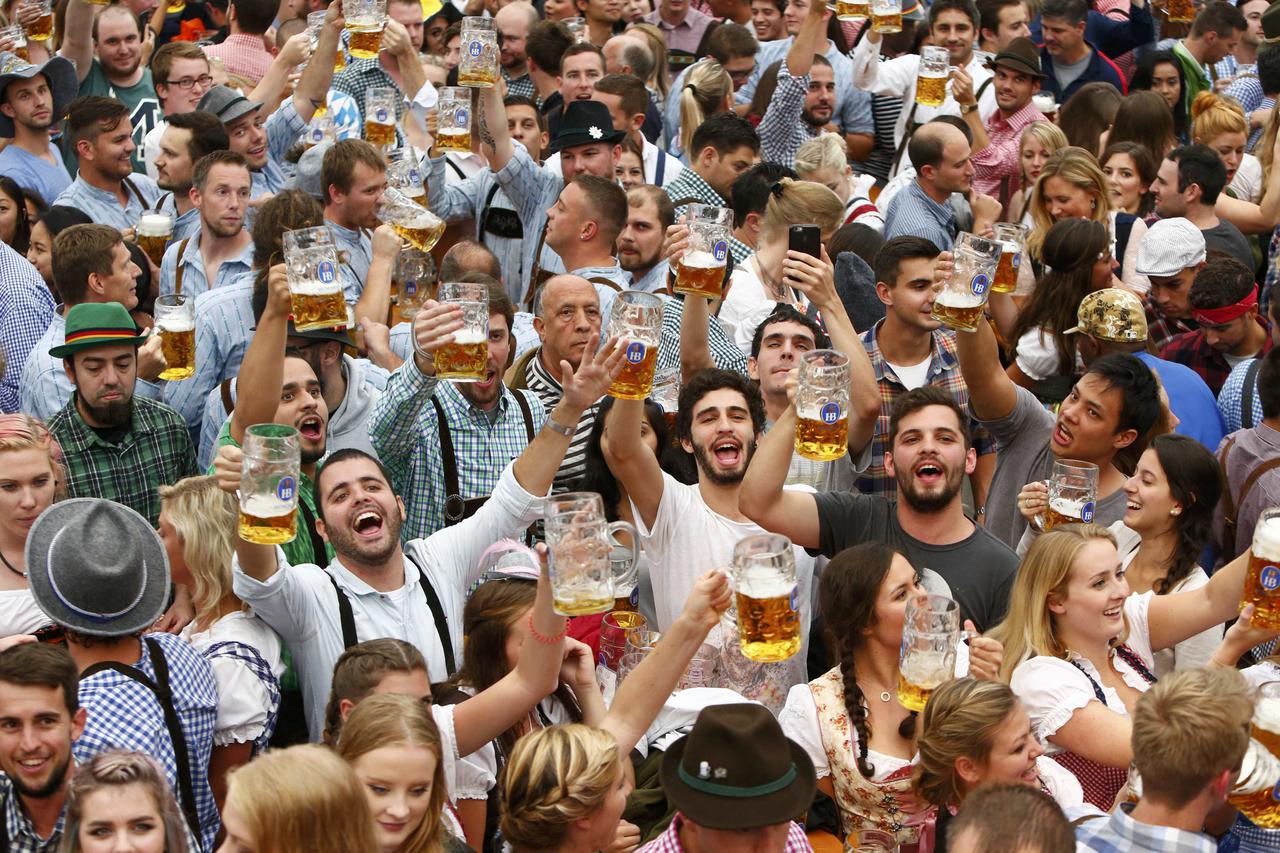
<point x="1052" y="689"/>
<point x="19" y="613"/>
<point x="746" y="304"/>
<point x="243" y="701"/>
<point x="478" y="772"/>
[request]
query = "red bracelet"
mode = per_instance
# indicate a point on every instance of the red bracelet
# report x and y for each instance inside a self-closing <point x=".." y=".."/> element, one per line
<point x="550" y="641"/>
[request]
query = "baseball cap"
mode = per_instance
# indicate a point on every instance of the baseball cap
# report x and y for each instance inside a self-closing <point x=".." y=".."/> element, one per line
<point x="226" y="103"/>
<point x="1171" y="246"/>
<point x="1111" y="314"/>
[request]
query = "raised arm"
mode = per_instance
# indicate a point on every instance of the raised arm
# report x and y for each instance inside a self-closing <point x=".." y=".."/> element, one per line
<point x="644" y="692"/>
<point x="495" y="136"/>
<point x="992" y="394"/>
<point x="257" y="561"/>
<point x="763" y="499"/>
<point x="313" y="89"/>
<point x="270" y="89"/>
<point x="1260" y="218"/>
<point x="262" y="372"/>
<point x="396" y="41"/>
<point x="375" y="299"/>
<point x="1174" y="618"/>
<point x="77" y="36"/>
<point x="631" y="460"/>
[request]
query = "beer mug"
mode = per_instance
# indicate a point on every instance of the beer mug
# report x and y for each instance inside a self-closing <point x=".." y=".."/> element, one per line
<point x="871" y="841"/>
<point x="636" y="321"/>
<point x="886" y="16"/>
<point x="614" y="629"/>
<point x="320" y="129"/>
<point x="175" y="317"/>
<point x="577" y="28"/>
<point x="416" y="274"/>
<point x="1073" y="493"/>
<point x="453" y="122"/>
<point x="153" y="231"/>
<point x="1181" y="11"/>
<point x="666" y="393"/>
<point x="269" y="484"/>
<point x="380" y="116"/>
<point x="1257" y="789"/>
<point x="405" y="175"/>
<point x="315" y="289"/>
<point x="411" y="220"/>
<point x="852" y="10"/>
<point x="42" y="28"/>
<point x="643" y="640"/>
<point x="701" y="669"/>
<point x="578" y="539"/>
<point x="700" y="271"/>
<point x="466" y="359"/>
<point x="1262" y="583"/>
<point x="315" y="24"/>
<point x="628" y="663"/>
<point x="18" y="36"/>
<point x="930" y="634"/>
<point x="364" y="22"/>
<point x="959" y="303"/>
<point x="931" y="84"/>
<point x="822" y="405"/>
<point x="767" y="597"/>
<point x="624" y="563"/>
<point x="478" y="56"/>
<point x="1012" y="239"/>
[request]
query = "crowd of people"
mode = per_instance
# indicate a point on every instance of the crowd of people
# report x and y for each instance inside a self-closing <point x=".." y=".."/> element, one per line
<point x="398" y="673"/>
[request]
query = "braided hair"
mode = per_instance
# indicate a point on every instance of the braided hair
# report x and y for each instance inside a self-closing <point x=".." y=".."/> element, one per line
<point x="848" y="592"/>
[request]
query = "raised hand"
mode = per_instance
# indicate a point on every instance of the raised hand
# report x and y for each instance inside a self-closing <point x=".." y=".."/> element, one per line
<point x="709" y="599"/>
<point x="433" y="327"/>
<point x="591" y="381"/>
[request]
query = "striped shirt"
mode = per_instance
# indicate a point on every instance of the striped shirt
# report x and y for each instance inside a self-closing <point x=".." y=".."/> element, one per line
<point x="26" y="310"/>
<point x="224" y="325"/>
<point x="913" y="212"/>
<point x="194" y="281"/>
<point x="104" y="207"/>
<point x="467" y="200"/>
<point x="540" y="381"/>
<point x="885" y="109"/>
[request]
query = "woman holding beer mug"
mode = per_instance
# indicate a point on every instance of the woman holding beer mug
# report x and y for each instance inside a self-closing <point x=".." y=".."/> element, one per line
<point x="864" y="594"/>
<point x="974" y="733"/>
<point x="1172" y="496"/>
<point x="31" y="478"/>
<point x="1079" y="649"/>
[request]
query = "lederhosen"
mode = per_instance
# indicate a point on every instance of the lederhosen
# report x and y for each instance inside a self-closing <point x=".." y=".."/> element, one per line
<point x="456" y="507"/>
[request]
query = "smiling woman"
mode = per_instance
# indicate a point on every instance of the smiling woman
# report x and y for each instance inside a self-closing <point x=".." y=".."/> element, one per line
<point x="31" y="479"/>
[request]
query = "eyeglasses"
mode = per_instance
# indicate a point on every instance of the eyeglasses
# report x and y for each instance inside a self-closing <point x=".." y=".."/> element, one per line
<point x="744" y="73"/>
<point x="187" y="82"/>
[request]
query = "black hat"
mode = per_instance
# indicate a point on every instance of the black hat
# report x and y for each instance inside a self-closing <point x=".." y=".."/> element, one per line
<point x="583" y="123"/>
<point x="737" y="770"/>
<point x="1021" y="55"/>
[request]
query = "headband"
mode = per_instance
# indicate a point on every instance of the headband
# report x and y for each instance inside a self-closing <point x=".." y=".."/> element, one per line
<point x="1227" y="313"/>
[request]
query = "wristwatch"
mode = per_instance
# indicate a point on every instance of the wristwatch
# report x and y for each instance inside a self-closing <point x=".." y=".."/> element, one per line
<point x="965" y="109"/>
<point x="566" y="431"/>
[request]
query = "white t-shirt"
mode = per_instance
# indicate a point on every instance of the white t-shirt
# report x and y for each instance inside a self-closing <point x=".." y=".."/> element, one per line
<point x="243" y="700"/>
<point x="912" y="376"/>
<point x="1247" y="181"/>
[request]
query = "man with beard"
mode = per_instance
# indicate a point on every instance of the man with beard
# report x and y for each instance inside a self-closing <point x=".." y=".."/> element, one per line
<point x="106" y="48"/>
<point x="115" y="445"/>
<point x="106" y="186"/>
<point x="514" y="21"/>
<point x="995" y="141"/>
<point x="42" y="717"/>
<point x="684" y="528"/>
<point x="376" y="588"/>
<point x="32" y="99"/>
<point x="487" y="425"/>
<point x="805" y="95"/>
<point x="221" y="251"/>
<point x="186" y="138"/>
<point x="930" y="453"/>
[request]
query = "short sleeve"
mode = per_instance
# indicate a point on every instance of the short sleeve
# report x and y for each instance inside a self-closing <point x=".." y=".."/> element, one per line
<point x="1136" y="608"/>
<point x="243" y="702"/>
<point x="1051" y="690"/>
<point x="1037" y="355"/>
<point x="476" y="774"/>
<point x="846" y="519"/>
<point x="443" y="715"/>
<point x="799" y="721"/>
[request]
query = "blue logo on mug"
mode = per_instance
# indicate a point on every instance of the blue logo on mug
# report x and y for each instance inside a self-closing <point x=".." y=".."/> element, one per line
<point x="795" y="599"/>
<point x="475" y="48"/>
<point x="1269" y="577"/>
<point x="979" y="284"/>
<point x="460" y="118"/>
<point x="830" y="413"/>
<point x="325" y="272"/>
<point x="410" y="287"/>
<point x="720" y="250"/>
<point x="1017" y="261"/>
<point x="286" y="488"/>
<point x="635" y="352"/>
<point x="415" y="176"/>
<point x="635" y="597"/>
<point x="380" y="115"/>
<point x="1086" y="512"/>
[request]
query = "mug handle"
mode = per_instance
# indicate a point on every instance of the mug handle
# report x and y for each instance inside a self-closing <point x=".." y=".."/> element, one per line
<point x="630" y="528"/>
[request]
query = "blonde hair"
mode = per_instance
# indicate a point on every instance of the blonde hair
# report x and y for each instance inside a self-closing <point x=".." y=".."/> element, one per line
<point x="1078" y="168"/>
<point x="1047" y="134"/>
<point x="115" y="769"/>
<point x="824" y="151"/>
<point x="960" y="721"/>
<point x="302" y="798"/>
<point x="800" y="201"/>
<point x="1189" y="727"/>
<point x="204" y="518"/>
<point x="1266" y="145"/>
<point x="1213" y="115"/>
<point x="23" y="432"/>
<point x="390" y="719"/>
<point x="1028" y="628"/>
<point x="704" y="93"/>
<point x="553" y="777"/>
<point x="359" y="671"/>
<point x="660" y="79"/>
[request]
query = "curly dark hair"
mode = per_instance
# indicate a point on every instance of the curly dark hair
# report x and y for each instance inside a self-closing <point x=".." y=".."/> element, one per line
<point x="713" y="379"/>
<point x="1195" y="482"/>
<point x="599" y="479"/>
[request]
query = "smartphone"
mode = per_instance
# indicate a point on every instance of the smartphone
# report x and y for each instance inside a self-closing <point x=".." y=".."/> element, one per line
<point x="806" y="239"/>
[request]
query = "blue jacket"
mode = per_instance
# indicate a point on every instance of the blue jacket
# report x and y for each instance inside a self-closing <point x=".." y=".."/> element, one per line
<point x="1099" y="70"/>
<point x="1113" y="36"/>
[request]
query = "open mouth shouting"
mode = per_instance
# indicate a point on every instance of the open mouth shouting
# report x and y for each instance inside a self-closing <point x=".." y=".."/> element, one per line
<point x="728" y="452"/>
<point x="368" y="523"/>
<point x="311" y="428"/>
<point x="930" y="472"/>
<point x="1061" y="435"/>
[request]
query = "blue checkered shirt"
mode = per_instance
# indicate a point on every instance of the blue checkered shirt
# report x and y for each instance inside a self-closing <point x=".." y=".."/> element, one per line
<point x="1119" y="833"/>
<point x="194" y="281"/>
<point x="283" y="127"/>
<point x="1231" y="399"/>
<point x="26" y="310"/>
<point x="104" y="207"/>
<point x="689" y="185"/>
<point x="466" y="200"/>
<point x="124" y="714"/>
<point x="224" y="323"/>
<point x="359" y="77"/>
<point x="405" y="432"/>
<point x="724" y="352"/>
<point x="21" y="834"/>
<point x="531" y="189"/>
<point x="519" y="87"/>
<point x="1247" y="89"/>
<point x="783" y="129"/>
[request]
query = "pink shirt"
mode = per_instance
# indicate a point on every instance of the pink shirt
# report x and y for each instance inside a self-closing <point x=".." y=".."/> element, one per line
<point x="999" y="159"/>
<point x="243" y="55"/>
<point x="669" y="841"/>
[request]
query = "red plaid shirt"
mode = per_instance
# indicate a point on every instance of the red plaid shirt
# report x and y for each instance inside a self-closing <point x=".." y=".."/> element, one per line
<point x="999" y="160"/>
<point x="1162" y="329"/>
<point x="1191" y="349"/>
<point x="669" y="841"/>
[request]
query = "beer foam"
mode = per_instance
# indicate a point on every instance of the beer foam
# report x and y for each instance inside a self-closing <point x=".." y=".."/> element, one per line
<point x="1258" y="771"/>
<point x="763" y="583"/>
<point x="311" y="287"/>
<point x="1266" y="540"/>
<point x="958" y="299"/>
<point x="265" y="506"/>
<point x="176" y="324"/>
<point x="927" y="670"/>
<point x="1068" y="506"/>
<point x="936" y="75"/>
<point x="700" y="260"/>
<point x="468" y="336"/>
<point x="1011" y="248"/>
<point x="154" y="225"/>
<point x="1266" y="714"/>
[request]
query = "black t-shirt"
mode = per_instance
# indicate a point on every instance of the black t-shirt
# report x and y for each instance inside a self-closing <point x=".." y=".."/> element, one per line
<point x="979" y="569"/>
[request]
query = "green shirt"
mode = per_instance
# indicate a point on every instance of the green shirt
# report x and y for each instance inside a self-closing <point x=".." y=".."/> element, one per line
<point x="300" y="550"/>
<point x="154" y="451"/>
<point x="141" y="101"/>
<point x="1197" y="80"/>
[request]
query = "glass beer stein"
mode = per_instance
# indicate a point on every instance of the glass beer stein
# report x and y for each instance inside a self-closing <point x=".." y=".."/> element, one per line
<point x="413" y="222"/>
<point x="364" y="21"/>
<point x="1012" y="239"/>
<point x="578" y="539"/>
<point x="1256" y="792"/>
<point x="1073" y="493"/>
<point x="453" y="123"/>
<point x="405" y="175"/>
<point x="269" y="484"/>
<point x="931" y="84"/>
<point x="153" y="231"/>
<point x="478" y="57"/>
<point x="175" y="316"/>
<point x="963" y="296"/>
<point x="466" y="359"/>
<point x="852" y="10"/>
<point x="767" y="597"/>
<point x="577" y="28"/>
<point x="42" y="28"/>
<point x="886" y="16"/>
<point x="930" y="634"/>
<point x="380" y="116"/>
<point x="315" y="289"/>
<point x="700" y="271"/>
<point x="1262" y="583"/>
<point x="319" y="130"/>
<point x="416" y="275"/>
<point x="636" y="321"/>
<point x="822" y="405"/>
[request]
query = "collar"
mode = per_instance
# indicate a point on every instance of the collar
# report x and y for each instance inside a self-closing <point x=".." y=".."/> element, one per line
<point x="89" y="434"/>
<point x="356" y="585"/>
<point x="941" y="353"/>
<point x="691" y="17"/>
<point x="20" y="824"/>
<point x="193" y="255"/>
<point x="697" y="187"/>
<point x="1191" y="61"/>
<point x="449" y="390"/>
<point x="104" y="195"/>
<point x="1142" y="835"/>
<point x="941" y="210"/>
<point x="347" y="236"/>
<point x="247" y="40"/>
<point x="1020" y="119"/>
<point x="658" y="273"/>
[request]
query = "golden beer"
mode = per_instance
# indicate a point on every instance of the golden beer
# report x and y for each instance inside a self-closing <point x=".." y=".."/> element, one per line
<point x="701" y="274"/>
<point x="768" y="619"/>
<point x="918" y="676"/>
<point x="961" y="311"/>
<point x="339" y="60"/>
<point x="476" y="78"/>
<point x="379" y="134"/>
<point x="853" y="11"/>
<point x="891" y="23"/>
<point x="1067" y="511"/>
<point x="821" y="441"/>
<point x="179" y="348"/>
<point x="931" y="91"/>
<point x="364" y="43"/>
<point x="1181" y="11"/>
<point x="176" y="7"/>
<point x="454" y="139"/>
<point x="423" y="237"/>
<point x="42" y="28"/>
<point x="581" y="605"/>
<point x="464" y="360"/>
<point x="636" y="379"/>
<point x="153" y="246"/>
<point x="320" y="111"/>
<point x="1006" y="280"/>
<point x="266" y="521"/>
<point x="1262" y="583"/>
<point x="315" y="310"/>
<point x="625" y="603"/>
<point x="1256" y="792"/>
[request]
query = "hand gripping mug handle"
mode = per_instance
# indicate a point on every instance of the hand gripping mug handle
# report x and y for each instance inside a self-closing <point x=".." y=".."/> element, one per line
<point x="613" y="528"/>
